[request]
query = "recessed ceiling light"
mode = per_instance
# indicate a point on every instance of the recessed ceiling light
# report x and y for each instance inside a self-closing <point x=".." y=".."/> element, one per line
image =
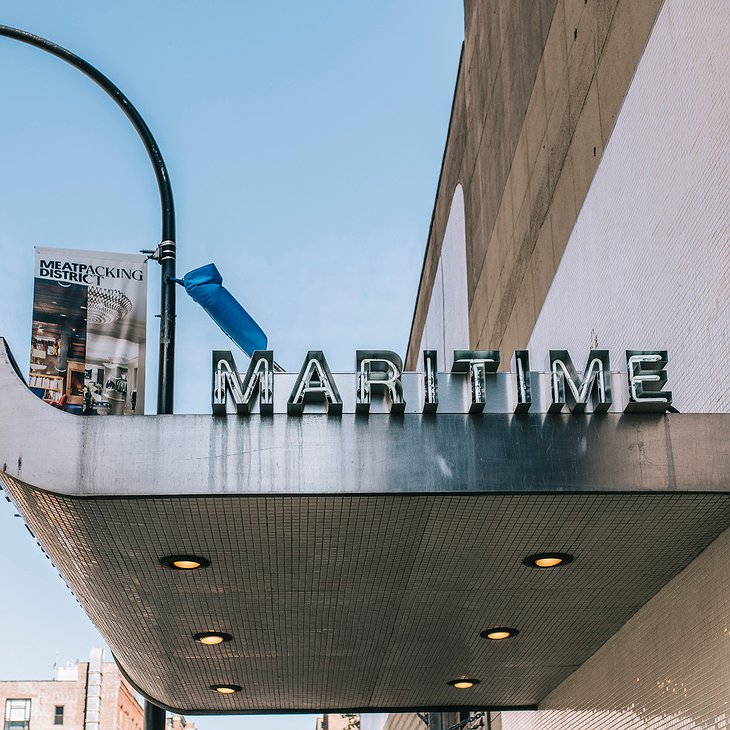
<point x="184" y="562"/>
<point x="498" y="633"/>
<point x="226" y="689"/>
<point x="547" y="560"/>
<point x="464" y="682"/>
<point x="211" y="638"/>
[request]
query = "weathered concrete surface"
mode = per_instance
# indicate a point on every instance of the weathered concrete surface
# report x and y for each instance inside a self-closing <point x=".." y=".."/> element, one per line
<point x="316" y="454"/>
<point x="539" y="88"/>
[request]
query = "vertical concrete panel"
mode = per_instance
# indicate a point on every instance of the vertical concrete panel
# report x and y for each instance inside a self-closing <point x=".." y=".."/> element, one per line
<point x="498" y="72"/>
<point x="433" y="329"/>
<point x="447" y="321"/>
<point x="453" y="260"/>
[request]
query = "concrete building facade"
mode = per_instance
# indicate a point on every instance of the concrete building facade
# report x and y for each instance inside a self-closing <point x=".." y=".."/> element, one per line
<point x="588" y="167"/>
<point x="538" y="92"/>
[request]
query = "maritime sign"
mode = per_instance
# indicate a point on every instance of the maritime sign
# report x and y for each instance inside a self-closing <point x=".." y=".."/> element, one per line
<point x="474" y="385"/>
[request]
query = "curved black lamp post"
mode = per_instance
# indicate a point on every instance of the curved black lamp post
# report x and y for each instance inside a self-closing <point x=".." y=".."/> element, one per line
<point x="166" y="251"/>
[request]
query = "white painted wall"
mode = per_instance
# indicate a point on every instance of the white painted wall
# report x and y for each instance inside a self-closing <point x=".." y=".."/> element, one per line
<point x="648" y="262"/>
<point x="447" y="321"/>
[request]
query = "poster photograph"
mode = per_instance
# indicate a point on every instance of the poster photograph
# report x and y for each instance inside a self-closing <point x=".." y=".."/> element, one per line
<point x="88" y="334"/>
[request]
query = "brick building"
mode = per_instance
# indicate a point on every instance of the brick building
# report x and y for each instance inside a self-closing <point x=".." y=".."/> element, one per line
<point x="89" y="695"/>
<point x="334" y="721"/>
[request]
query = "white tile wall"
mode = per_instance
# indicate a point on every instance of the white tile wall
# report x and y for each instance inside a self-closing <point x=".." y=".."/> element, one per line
<point x="648" y="262"/>
<point x="668" y="668"/>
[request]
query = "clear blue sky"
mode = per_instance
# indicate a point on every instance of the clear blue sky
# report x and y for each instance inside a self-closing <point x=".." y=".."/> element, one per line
<point x="303" y="141"/>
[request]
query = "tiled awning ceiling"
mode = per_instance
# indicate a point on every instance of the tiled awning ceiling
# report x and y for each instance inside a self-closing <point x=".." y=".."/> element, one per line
<point x="364" y="601"/>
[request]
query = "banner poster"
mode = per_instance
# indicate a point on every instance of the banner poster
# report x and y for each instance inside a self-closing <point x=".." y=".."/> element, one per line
<point x="88" y="339"/>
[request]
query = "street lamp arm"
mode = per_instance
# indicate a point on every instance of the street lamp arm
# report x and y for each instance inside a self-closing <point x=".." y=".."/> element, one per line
<point x="163" y="179"/>
<point x="166" y="251"/>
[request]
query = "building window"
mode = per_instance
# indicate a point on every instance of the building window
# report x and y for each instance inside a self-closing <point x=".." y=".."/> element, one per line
<point x="17" y="714"/>
<point x="58" y="715"/>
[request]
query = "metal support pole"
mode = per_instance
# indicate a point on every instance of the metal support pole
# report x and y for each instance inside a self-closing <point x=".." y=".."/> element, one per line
<point x="166" y="369"/>
<point x="154" y="717"/>
<point x="166" y="251"/>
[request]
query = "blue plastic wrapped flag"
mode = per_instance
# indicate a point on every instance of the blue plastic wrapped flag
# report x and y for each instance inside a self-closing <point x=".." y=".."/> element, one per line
<point x="205" y="286"/>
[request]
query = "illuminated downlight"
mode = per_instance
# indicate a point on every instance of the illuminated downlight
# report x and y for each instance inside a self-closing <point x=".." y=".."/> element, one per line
<point x="498" y="633"/>
<point x="464" y="682"/>
<point x="547" y="560"/>
<point x="225" y="689"/>
<point x="184" y="562"/>
<point x="211" y="638"/>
